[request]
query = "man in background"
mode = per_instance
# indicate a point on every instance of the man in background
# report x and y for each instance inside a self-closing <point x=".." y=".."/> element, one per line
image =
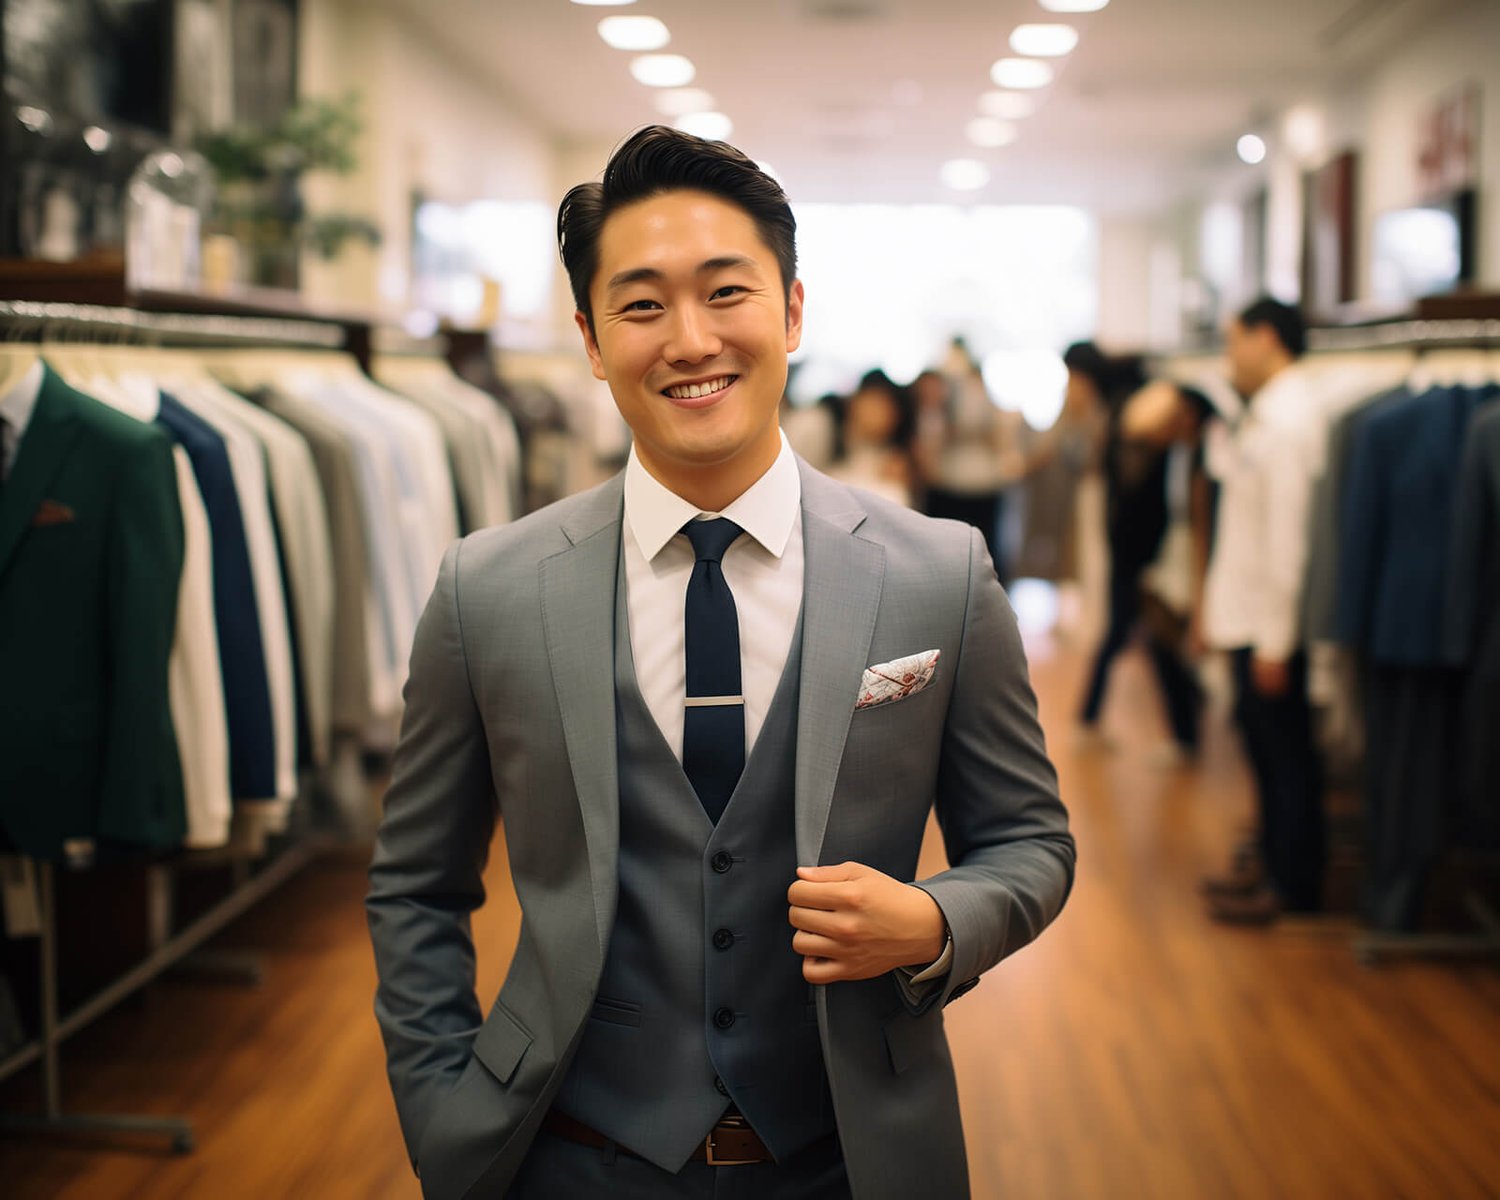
<point x="1266" y="466"/>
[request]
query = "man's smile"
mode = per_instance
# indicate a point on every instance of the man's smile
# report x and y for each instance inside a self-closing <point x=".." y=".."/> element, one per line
<point x="699" y="394"/>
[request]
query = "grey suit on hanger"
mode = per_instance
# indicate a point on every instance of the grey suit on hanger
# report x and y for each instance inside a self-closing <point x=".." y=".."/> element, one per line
<point x="511" y="708"/>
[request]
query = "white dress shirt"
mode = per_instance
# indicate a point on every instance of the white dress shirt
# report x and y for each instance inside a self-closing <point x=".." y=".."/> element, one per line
<point x="1266" y="466"/>
<point x="16" y="407"/>
<point x="764" y="569"/>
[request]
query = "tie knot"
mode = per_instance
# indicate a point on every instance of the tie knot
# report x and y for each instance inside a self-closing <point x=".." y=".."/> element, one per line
<point x="711" y="538"/>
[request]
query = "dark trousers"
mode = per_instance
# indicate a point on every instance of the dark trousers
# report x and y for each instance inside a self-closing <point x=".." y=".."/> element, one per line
<point x="1180" y="691"/>
<point x="1412" y="719"/>
<point x="557" y="1169"/>
<point x="1288" y="782"/>
<point x="982" y="512"/>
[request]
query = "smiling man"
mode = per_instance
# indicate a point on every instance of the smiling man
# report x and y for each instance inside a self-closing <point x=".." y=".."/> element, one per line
<point x="715" y="700"/>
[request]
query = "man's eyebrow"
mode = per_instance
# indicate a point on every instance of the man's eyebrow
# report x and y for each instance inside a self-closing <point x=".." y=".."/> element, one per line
<point x="652" y="275"/>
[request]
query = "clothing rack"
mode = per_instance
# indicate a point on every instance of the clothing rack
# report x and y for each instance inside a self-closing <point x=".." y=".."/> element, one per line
<point x="168" y="951"/>
<point x="163" y="328"/>
<point x="1407" y="335"/>
<point x="343" y="779"/>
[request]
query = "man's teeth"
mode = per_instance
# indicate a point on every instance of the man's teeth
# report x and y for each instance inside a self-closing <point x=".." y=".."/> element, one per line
<point x="692" y="391"/>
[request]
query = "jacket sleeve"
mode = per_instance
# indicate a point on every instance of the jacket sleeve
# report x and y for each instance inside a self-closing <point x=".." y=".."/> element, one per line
<point x="1003" y="825"/>
<point x="141" y="802"/>
<point x="430" y="853"/>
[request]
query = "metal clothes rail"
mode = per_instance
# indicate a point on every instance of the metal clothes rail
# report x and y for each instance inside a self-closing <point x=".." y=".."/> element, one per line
<point x="176" y="328"/>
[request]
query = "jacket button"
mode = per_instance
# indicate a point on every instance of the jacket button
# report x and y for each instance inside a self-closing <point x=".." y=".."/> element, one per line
<point x="721" y="861"/>
<point x="723" y="1018"/>
<point x="723" y="939"/>
<point x="720" y="1086"/>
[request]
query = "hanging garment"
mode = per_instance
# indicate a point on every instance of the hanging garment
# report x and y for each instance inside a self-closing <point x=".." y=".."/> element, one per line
<point x="91" y="547"/>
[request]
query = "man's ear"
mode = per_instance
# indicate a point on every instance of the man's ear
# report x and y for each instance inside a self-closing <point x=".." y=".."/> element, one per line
<point x="794" y="316"/>
<point x="590" y="345"/>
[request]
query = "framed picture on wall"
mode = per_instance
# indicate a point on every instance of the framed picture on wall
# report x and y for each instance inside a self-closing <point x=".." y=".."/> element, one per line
<point x="1328" y="237"/>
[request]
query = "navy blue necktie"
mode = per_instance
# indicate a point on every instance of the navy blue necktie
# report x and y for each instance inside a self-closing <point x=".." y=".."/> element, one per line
<point x="713" y="718"/>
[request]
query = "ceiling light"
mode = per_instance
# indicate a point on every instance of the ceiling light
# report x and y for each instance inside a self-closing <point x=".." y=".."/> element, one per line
<point x="675" y="102"/>
<point x="1039" y="41"/>
<point x="714" y="126"/>
<point x="1008" y="106"/>
<point x="98" y="140"/>
<point x="965" y="174"/>
<point x="662" y="70"/>
<point x="990" y="132"/>
<point x="1074" y="6"/>
<point x="603" y="3"/>
<point x="634" y="33"/>
<point x="1251" y="149"/>
<point x="1021" y="73"/>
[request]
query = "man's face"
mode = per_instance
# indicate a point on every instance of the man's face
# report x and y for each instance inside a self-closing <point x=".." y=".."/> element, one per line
<point x="1245" y="350"/>
<point x="692" y="332"/>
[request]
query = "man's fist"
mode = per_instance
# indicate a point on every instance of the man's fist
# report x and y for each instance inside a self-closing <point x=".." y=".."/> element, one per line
<point x="853" y="922"/>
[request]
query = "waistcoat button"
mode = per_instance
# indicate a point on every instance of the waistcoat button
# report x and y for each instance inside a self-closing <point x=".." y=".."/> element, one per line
<point x="723" y="1018"/>
<point x="721" y="861"/>
<point x="723" y="939"/>
<point x="720" y="1086"/>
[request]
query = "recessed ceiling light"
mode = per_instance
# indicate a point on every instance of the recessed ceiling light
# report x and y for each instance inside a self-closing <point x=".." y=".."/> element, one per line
<point x="1251" y="149"/>
<point x="714" y="126"/>
<point x="674" y="102"/>
<point x="1039" y="41"/>
<point x="1022" y="73"/>
<point x="604" y="3"/>
<point x="634" y="33"/>
<point x="965" y="174"/>
<point x="662" y="70"/>
<point x="1074" y="6"/>
<point x="1009" y="106"/>
<point x="990" y="132"/>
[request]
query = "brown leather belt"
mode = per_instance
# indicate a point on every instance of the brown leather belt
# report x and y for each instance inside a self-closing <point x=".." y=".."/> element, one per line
<point x="730" y="1143"/>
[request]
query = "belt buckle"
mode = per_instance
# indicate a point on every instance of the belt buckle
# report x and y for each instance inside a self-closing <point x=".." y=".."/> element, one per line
<point x="736" y="1122"/>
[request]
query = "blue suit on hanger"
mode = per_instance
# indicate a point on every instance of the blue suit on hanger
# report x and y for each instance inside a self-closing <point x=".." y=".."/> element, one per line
<point x="247" y="694"/>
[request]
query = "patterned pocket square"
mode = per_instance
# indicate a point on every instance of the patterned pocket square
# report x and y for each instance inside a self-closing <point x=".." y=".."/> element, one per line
<point x="50" y="512"/>
<point x="887" y="682"/>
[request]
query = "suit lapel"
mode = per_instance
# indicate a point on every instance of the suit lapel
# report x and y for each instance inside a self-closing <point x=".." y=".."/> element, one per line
<point x="578" y="615"/>
<point x="53" y="428"/>
<point x="841" y="596"/>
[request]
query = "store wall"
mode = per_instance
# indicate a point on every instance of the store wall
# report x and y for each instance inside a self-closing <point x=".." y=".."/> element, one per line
<point x="432" y="125"/>
<point x="1378" y="115"/>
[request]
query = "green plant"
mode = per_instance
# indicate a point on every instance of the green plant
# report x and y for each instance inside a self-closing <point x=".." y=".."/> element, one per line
<point x="259" y="171"/>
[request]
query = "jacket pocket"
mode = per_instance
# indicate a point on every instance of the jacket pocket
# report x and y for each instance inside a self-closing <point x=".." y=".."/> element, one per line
<point x="908" y="1040"/>
<point x="616" y="1012"/>
<point x="501" y="1044"/>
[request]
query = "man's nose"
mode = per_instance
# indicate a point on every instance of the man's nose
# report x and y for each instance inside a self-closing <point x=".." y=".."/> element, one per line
<point x="692" y="336"/>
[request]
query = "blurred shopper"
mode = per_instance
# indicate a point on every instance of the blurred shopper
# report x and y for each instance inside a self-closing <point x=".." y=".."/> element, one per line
<point x="879" y="426"/>
<point x="1135" y="478"/>
<point x="971" y="454"/>
<point x="1265" y="467"/>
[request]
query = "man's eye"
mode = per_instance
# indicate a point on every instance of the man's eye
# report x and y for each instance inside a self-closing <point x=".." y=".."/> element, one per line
<point x="729" y="289"/>
<point x="641" y="306"/>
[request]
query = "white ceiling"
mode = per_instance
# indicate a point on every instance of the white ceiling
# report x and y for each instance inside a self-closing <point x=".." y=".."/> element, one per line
<point x="1155" y="94"/>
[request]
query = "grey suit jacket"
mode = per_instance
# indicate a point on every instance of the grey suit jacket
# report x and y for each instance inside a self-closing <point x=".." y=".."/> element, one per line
<point x="510" y="708"/>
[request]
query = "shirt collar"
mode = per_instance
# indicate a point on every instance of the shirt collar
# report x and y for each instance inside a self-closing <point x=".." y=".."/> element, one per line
<point x="17" y="405"/>
<point x="767" y="510"/>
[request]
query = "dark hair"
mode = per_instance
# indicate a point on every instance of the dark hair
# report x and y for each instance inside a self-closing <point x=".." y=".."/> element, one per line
<point x="658" y="159"/>
<point x="1202" y="407"/>
<point x="1285" y="321"/>
<point x="1115" y="378"/>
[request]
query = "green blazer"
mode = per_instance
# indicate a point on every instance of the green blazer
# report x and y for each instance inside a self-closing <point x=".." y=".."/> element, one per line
<point x="90" y="558"/>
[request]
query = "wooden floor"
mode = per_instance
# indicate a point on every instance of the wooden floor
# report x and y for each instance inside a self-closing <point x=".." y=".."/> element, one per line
<point x="1135" y="1051"/>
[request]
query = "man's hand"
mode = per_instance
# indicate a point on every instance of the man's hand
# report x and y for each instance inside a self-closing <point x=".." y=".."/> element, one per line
<point x="853" y="922"/>
<point x="1270" y="676"/>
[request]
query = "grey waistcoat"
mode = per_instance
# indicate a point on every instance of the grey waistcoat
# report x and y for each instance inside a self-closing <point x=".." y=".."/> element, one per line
<point x="702" y="1000"/>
